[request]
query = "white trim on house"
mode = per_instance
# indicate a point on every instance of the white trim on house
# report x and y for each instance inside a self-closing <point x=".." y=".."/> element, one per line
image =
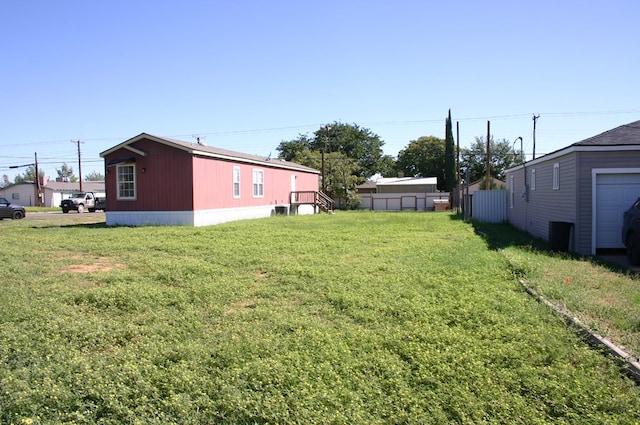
<point x="119" y="184"/>
<point x="512" y="192"/>
<point x="134" y="150"/>
<point x="556" y="176"/>
<point x="236" y="182"/>
<point x="194" y="218"/>
<point x="594" y="177"/>
<point x="258" y="182"/>
<point x="532" y="183"/>
<point x="572" y="149"/>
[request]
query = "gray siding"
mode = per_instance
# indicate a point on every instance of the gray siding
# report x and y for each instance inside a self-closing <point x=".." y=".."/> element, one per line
<point x="545" y="204"/>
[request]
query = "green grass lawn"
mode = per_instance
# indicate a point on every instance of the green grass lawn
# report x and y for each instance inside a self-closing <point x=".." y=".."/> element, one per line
<point x="605" y="297"/>
<point x="351" y="318"/>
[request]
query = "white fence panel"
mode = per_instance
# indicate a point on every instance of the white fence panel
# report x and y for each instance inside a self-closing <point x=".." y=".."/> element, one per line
<point x="489" y="206"/>
<point x="400" y="201"/>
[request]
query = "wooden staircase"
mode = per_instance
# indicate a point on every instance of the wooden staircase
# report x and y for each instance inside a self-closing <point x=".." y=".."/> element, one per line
<point x="315" y="198"/>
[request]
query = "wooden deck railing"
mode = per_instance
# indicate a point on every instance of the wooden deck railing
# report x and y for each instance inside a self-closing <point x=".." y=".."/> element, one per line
<point x="310" y="197"/>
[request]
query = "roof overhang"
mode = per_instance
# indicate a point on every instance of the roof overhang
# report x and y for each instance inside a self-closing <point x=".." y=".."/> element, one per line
<point x="127" y="145"/>
<point x="121" y="161"/>
<point x="407" y="181"/>
<point x="573" y="149"/>
<point x="195" y="151"/>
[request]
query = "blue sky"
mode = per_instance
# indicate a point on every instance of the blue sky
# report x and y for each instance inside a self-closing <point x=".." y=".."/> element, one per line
<point x="249" y="74"/>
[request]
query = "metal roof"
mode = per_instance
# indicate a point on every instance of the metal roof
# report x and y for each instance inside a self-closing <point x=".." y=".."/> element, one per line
<point x="210" y="151"/>
<point x="406" y="181"/>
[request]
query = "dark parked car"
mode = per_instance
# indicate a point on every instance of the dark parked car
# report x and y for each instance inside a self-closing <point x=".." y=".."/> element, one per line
<point x="631" y="232"/>
<point x="9" y="210"/>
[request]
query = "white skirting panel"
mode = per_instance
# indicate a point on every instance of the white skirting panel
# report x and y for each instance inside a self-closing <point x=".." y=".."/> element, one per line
<point x="223" y="215"/>
<point x="149" y="218"/>
<point x="306" y="209"/>
<point x="193" y="218"/>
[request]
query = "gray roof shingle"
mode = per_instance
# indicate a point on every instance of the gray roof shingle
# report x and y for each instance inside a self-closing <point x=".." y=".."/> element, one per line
<point x="628" y="134"/>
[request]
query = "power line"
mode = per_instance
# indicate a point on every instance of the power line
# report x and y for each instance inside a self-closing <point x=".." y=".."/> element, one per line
<point x="303" y="126"/>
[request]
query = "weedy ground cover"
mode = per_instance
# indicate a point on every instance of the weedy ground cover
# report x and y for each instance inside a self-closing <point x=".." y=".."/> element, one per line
<point x="604" y="296"/>
<point x="352" y="318"/>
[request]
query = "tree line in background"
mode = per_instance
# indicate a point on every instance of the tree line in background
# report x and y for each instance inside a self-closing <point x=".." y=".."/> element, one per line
<point x="348" y="155"/>
<point x="65" y="173"/>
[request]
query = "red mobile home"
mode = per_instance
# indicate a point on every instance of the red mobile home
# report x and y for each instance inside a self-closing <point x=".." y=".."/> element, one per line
<point x="152" y="180"/>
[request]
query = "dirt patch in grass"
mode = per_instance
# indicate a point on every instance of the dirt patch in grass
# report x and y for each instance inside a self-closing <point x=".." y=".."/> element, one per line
<point x="101" y="264"/>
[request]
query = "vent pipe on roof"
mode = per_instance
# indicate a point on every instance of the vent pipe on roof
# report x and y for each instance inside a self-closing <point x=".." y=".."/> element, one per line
<point x="199" y="139"/>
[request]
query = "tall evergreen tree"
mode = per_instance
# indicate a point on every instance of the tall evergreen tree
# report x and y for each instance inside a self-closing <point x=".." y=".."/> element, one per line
<point x="449" y="157"/>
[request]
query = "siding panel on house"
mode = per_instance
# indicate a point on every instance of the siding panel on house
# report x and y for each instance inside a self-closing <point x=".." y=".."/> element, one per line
<point x="213" y="184"/>
<point x="163" y="179"/>
<point x="545" y="204"/>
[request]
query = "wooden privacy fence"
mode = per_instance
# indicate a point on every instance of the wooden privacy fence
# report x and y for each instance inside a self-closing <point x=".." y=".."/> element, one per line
<point x="400" y="201"/>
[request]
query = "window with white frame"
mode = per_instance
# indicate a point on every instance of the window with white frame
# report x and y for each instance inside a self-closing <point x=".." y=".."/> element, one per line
<point x="126" y="174"/>
<point x="511" y="192"/>
<point x="556" y="176"/>
<point x="15" y="196"/>
<point x="533" y="179"/>
<point x="258" y="183"/>
<point x="236" y="182"/>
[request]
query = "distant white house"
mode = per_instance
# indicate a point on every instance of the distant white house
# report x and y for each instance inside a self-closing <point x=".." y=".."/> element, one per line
<point x="401" y="193"/>
<point x="407" y="184"/>
<point x="53" y="193"/>
<point x="20" y="193"/>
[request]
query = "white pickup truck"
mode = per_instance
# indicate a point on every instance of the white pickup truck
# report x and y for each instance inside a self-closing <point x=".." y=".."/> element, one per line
<point x="83" y="201"/>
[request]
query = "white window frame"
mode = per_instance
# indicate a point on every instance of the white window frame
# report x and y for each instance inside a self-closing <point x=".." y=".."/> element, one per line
<point x="15" y="196"/>
<point x="533" y="179"/>
<point x="258" y="183"/>
<point x="236" y="182"/>
<point x="511" y="192"/>
<point x="556" y="176"/>
<point x="119" y="184"/>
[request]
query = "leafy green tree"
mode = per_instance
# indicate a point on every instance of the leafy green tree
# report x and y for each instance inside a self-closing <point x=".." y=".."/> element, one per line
<point x="289" y="150"/>
<point x="94" y="176"/>
<point x="340" y="180"/>
<point x="5" y="181"/>
<point x="450" y="179"/>
<point x="29" y="175"/>
<point x="387" y="166"/>
<point x="355" y="142"/>
<point x="503" y="156"/>
<point x="423" y="157"/>
<point x="66" y="173"/>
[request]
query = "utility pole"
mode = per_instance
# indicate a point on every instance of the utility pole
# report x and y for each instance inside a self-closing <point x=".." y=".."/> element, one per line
<point x="78" y="142"/>
<point x="488" y="182"/>
<point x="535" y="118"/>
<point x="327" y="145"/>
<point x="458" y="168"/>
<point x="38" y="190"/>
<point x="324" y="190"/>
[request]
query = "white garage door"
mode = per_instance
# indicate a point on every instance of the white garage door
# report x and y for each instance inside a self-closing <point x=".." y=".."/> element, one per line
<point x="614" y="195"/>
